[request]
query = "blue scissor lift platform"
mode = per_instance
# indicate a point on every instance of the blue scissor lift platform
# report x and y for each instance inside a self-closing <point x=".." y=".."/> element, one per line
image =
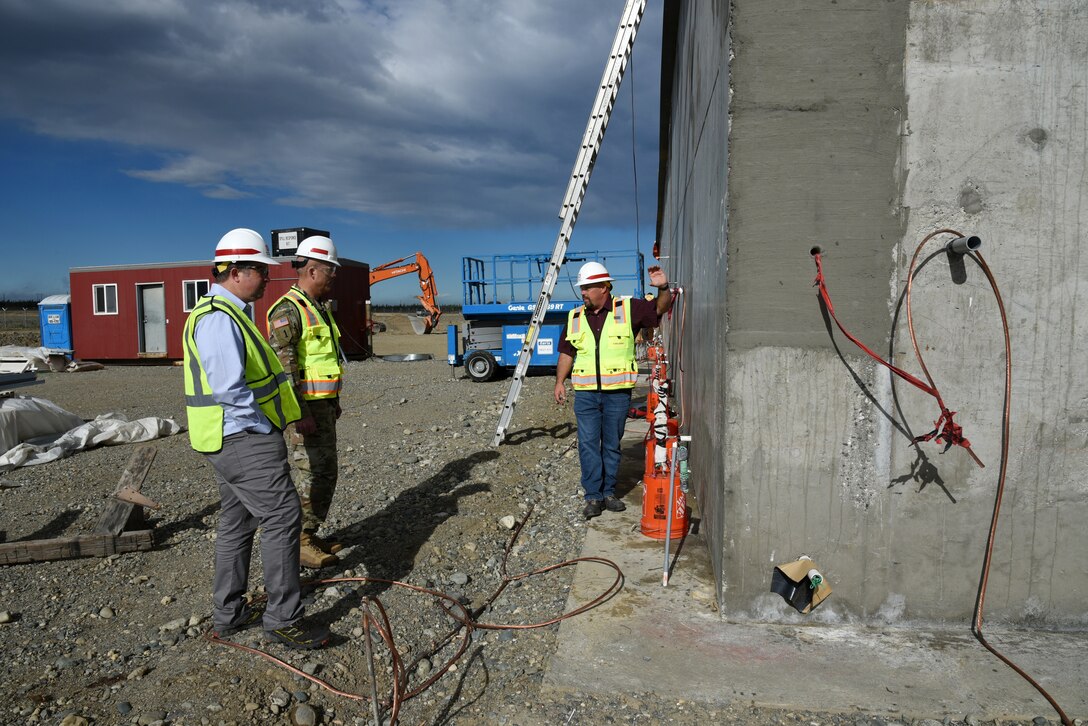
<point x="499" y="295"/>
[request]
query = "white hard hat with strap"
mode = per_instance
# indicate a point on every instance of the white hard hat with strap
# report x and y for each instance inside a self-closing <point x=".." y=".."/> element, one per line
<point x="319" y="248"/>
<point x="592" y="273"/>
<point x="242" y="245"/>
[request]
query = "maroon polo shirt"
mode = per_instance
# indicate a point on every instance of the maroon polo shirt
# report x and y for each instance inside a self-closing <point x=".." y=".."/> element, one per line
<point x="643" y="315"/>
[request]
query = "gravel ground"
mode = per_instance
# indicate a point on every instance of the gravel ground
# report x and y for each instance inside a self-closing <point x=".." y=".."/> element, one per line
<point x="423" y="499"/>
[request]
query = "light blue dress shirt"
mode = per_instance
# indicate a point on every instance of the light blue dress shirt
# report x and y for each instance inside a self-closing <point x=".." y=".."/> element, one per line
<point x="222" y="352"/>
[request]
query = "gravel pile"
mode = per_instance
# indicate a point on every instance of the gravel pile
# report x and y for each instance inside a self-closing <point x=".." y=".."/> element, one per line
<point x="423" y="499"/>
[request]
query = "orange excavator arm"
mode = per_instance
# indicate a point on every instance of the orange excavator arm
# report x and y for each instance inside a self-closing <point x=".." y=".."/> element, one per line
<point x="419" y="264"/>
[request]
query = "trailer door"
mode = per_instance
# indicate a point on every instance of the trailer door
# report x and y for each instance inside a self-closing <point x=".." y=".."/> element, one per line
<point x="151" y="313"/>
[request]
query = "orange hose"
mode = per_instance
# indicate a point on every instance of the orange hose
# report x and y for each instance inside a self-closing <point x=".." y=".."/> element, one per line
<point x="976" y="623"/>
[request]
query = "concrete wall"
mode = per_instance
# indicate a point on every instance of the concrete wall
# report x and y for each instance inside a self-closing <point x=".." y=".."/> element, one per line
<point x="996" y="142"/>
<point x="862" y="127"/>
<point x="692" y="210"/>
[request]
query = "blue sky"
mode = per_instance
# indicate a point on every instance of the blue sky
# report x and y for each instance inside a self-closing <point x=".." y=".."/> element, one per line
<point x="142" y="130"/>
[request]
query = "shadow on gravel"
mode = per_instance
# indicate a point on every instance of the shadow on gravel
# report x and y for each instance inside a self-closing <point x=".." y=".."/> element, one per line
<point x="53" y="528"/>
<point x="386" y="543"/>
<point x="559" y="431"/>
<point x="448" y="714"/>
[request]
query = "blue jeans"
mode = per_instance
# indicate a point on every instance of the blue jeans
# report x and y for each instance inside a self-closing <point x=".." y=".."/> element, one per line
<point x="601" y="417"/>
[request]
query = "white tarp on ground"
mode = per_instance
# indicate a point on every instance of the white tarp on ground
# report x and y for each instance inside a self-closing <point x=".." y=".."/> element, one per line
<point x="39" y="357"/>
<point x="36" y="431"/>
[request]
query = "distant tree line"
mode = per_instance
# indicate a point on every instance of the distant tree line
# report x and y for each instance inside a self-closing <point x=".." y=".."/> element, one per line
<point x="20" y="304"/>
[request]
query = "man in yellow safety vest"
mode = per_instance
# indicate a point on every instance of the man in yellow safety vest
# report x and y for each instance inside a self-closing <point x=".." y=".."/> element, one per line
<point x="238" y="401"/>
<point x="302" y="331"/>
<point x="597" y="351"/>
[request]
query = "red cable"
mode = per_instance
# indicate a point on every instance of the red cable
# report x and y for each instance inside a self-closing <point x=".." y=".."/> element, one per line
<point x="949" y="431"/>
<point x="945" y="428"/>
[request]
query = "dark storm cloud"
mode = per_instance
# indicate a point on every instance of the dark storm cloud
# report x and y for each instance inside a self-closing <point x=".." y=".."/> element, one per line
<point x="453" y="112"/>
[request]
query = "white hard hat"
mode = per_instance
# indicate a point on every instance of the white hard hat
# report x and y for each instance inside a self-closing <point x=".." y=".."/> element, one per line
<point x="592" y="273"/>
<point x="318" y="248"/>
<point x="242" y="245"/>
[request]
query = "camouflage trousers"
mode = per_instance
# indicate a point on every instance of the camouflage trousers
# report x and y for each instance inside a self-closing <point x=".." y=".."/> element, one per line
<point x="313" y="460"/>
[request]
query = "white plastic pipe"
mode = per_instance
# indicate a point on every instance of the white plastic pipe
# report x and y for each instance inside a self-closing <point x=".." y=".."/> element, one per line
<point x="668" y="514"/>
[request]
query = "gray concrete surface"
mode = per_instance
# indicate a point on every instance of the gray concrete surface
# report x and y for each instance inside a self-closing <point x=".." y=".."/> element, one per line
<point x="672" y="641"/>
<point x="862" y="127"/>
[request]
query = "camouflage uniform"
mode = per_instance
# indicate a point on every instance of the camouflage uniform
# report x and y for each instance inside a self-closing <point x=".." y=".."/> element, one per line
<point x="313" y="456"/>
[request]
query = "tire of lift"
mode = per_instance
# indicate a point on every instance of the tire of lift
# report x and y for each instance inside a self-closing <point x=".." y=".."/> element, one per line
<point x="480" y="366"/>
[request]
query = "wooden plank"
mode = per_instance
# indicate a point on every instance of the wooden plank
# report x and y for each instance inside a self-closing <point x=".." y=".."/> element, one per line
<point x="116" y="514"/>
<point x="114" y="517"/>
<point x="63" y="548"/>
<point x="136" y="470"/>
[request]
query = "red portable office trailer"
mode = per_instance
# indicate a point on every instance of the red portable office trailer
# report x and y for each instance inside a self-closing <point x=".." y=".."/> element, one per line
<point x="138" y="312"/>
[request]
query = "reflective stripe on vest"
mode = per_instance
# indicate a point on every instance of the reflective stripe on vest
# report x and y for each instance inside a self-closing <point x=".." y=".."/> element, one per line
<point x="318" y="348"/>
<point x="575" y="324"/>
<point x="619" y="369"/>
<point x="263" y="372"/>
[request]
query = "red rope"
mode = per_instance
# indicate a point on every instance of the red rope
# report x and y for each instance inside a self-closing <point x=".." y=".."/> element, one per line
<point x="945" y="430"/>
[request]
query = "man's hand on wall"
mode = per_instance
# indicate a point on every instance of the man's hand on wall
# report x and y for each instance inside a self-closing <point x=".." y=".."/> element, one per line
<point x="658" y="278"/>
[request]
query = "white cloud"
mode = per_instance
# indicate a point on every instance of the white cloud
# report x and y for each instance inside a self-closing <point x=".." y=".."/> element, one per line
<point x="450" y="111"/>
<point x="224" y="191"/>
<point x="193" y="171"/>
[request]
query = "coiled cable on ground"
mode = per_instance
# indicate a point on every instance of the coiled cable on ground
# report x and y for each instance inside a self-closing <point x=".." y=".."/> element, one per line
<point x="465" y="620"/>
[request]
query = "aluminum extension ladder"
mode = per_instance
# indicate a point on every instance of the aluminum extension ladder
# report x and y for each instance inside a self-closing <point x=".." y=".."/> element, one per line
<point x="576" y="191"/>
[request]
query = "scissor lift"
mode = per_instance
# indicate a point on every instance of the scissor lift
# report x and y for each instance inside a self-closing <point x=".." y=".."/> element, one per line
<point x="499" y="296"/>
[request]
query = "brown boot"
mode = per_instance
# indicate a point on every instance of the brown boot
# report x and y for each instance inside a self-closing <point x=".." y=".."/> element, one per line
<point x="329" y="546"/>
<point x="309" y="555"/>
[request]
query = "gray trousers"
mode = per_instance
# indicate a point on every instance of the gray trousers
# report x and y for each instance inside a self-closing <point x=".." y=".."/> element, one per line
<point x="255" y="488"/>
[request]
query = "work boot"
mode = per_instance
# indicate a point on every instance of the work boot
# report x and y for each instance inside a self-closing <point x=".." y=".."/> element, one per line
<point x="249" y="616"/>
<point x="614" y="504"/>
<point x="592" y="509"/>
<point x="309" y="555"/>
<point x="300" y="635"/>
<point x="325" y="545"/>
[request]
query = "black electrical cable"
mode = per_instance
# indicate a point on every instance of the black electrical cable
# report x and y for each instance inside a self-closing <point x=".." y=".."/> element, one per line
<point x="976" y="623"/>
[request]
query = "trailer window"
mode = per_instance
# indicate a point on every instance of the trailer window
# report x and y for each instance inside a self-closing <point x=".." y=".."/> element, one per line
<point x="105" y="299"/>
<point x="194" y="290"/>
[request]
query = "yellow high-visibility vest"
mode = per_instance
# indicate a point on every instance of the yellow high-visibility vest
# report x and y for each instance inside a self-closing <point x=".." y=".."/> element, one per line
<point x="263" y="372"/>
<point x="319" y="364"/>
<point x="612" y="365"/>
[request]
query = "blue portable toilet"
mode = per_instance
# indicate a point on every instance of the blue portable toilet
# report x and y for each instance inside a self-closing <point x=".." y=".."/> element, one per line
<point x="55" y="322"/>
